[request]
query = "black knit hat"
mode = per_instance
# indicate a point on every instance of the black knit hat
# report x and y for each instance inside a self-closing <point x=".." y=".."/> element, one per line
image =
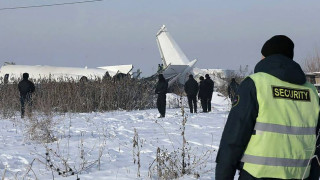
<point x="25" y="75"/>
<point x="279" y="44"/>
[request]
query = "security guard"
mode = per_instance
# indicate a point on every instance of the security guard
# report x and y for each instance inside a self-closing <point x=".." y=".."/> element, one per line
<point x="271" y="131"/>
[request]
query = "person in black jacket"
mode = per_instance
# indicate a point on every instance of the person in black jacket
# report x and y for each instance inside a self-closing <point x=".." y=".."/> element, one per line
<point x="232" y="89"/>
<point x="26" y="88"/>
<point x="191" y="88"/>
<point x="208" y="90"/>
<point x="201" y="95"/>
<point x="240" y="126"/>
<point x="161" y="90"/>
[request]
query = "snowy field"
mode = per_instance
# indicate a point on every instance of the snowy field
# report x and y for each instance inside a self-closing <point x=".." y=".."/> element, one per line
<point x="101" y="145"/>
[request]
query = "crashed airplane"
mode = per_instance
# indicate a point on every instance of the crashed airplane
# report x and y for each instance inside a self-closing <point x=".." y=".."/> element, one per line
<point x="11" y="72"/>
<point x="176" y="66"/>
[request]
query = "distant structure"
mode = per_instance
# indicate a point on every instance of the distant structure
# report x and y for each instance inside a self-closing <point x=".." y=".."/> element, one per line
<point x="314" y="78"/>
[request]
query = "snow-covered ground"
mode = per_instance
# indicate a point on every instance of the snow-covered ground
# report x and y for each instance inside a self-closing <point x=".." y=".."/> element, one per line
<point x="100" y="145"/>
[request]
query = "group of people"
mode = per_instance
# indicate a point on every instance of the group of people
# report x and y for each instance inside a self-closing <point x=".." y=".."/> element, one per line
<point x="194" y="91"/>
<point x="160" y="67"/>
<point x="192" y="88"/>
<point x="203" y="90"/>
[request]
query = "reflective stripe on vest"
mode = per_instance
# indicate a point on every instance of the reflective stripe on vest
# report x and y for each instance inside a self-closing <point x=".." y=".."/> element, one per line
<point x="275" y="161"/>
<point x="285" y="128"/>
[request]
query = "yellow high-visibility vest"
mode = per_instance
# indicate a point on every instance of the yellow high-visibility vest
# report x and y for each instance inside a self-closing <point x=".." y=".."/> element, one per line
<point x="285" y="129"/>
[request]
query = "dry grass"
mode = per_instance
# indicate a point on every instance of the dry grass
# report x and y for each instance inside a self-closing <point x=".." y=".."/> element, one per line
<point x="181" y="161"/>
<point x="71" y="96"/>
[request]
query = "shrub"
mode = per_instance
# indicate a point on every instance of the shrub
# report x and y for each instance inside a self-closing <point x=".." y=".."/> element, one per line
<point x="85" y="96"/>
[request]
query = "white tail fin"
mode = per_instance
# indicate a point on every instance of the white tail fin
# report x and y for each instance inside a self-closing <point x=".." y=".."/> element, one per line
<point x="169" y="50"/>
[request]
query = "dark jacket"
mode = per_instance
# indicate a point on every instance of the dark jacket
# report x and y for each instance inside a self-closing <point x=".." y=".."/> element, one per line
<point x="191" y="87"/>
<point x="162" y="87"/>
<point x="201" y="89"/>
<point x="242" y="117"/>
<point x="26" y="87"/>
<point x="208" y="86"/>
<point x="232" y="88"/>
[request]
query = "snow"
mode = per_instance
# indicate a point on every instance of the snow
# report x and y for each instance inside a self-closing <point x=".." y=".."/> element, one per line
<point x="83" y="137"/>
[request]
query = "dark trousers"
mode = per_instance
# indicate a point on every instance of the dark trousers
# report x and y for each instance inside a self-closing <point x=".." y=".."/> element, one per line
<point x="208" y="101"/>
<point x="25" y="101"/>
<point x="161" y="104"/>
<point x="192" y="100"/>
<point x="204" y="104"/>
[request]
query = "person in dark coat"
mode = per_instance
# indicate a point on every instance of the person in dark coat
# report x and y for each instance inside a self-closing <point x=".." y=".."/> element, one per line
<point x="26" y="88"/>
<point x="232" y="89"/>
<point x="208" y="90"/>
<point x="191" y="88"/>
<point x="201" y="95"/>
<point x="6" y="79"/>
<point x="240" y="127"/>
<point x="161" y="90"/>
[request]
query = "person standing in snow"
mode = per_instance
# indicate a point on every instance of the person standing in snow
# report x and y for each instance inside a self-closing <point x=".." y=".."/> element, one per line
<point x="161" y="90"/>
<point x="208" y="90"/>
<point x="232" y="89"/>
<point x="271" y="131"/>
<point x="191" y="88"/>
<point x="201" y="94"/>
<point x="26" y="88"/>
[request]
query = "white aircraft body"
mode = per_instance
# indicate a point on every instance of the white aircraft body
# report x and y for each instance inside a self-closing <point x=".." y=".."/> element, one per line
<point x="14" y="72"/>
<point x="177" y="66"/>
<point x="175" y="63"/>
<point x="125" y="69"/>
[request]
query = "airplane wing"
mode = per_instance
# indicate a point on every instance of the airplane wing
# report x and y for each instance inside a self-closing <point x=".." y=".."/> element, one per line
<point x="174" y="79"/>
<point x="173" y="70"/>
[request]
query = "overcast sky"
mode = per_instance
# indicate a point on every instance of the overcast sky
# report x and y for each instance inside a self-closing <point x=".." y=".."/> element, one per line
<point x="220" y="34"/>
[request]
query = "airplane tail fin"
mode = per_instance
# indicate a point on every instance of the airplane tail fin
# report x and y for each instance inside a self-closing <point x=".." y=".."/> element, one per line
<point x="169" y="50"/>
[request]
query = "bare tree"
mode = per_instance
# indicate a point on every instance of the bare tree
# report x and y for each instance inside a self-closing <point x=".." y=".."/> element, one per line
<point x="312" y="64"/>
<point x="239" y="76"/>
